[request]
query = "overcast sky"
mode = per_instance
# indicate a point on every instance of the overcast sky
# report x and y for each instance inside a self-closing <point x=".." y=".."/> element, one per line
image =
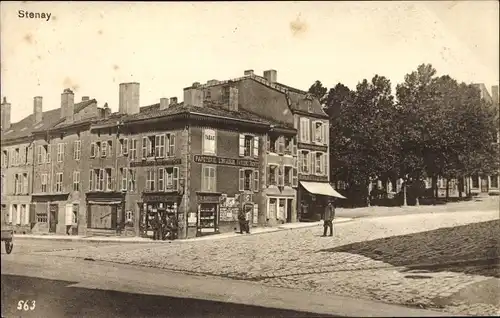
<point x="92" y="47"/>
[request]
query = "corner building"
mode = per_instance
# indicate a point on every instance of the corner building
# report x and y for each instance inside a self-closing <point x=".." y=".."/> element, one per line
<point x="203" y="159"/>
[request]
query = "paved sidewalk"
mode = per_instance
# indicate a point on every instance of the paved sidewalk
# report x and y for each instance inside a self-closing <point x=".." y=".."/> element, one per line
<point x="254" y="231"/>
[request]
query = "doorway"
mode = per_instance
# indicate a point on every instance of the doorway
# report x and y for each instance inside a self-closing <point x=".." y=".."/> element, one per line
<point x="54" y="209"/>
<point x="289" y="203"/>
<point x="484" y="184"/>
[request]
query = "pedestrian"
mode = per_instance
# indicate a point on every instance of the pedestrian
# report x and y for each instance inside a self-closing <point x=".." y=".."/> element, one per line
<point x="247" y="220"/>
<point x="242" y="220"/>
<point x="329" y="215"/>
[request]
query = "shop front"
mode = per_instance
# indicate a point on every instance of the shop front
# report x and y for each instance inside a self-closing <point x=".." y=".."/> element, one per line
<point x="313" y="198"/>
<point x="46" y="211"/>
<point x="157" y="204"/>
<point x="105" y="213"/>
<point x="208" y="214"/>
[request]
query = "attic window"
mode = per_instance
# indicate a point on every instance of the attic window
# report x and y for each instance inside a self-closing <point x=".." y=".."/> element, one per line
<point x="309" y="105"/>
<point x="24" y="128"/>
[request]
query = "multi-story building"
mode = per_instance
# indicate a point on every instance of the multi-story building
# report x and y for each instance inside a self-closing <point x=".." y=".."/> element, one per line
<point x="203" y="159"/>
<point x="43" y="180"/>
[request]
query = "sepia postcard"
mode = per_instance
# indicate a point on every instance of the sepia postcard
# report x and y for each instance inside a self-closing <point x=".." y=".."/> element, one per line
<point x="250" y="159"/>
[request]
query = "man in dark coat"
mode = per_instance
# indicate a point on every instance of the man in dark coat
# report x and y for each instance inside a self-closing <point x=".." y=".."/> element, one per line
<point x="242" y="221"/>
<point x="328" y="218"/>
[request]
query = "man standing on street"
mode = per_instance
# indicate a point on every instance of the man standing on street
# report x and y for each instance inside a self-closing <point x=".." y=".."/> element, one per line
<point x="328" y="218"/>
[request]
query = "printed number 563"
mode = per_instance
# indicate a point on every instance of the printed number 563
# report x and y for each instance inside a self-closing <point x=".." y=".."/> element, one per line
<point x="25" y="305"/>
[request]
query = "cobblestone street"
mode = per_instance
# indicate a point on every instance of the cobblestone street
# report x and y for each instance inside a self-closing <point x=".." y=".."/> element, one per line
<point x="387" y="259"/>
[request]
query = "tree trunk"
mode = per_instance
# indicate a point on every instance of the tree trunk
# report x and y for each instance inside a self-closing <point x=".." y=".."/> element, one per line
<point x="404" y="194"/>
<point x="460" y="186"/>
<point x="447" y="189"/>
<point x="434" y="187"/>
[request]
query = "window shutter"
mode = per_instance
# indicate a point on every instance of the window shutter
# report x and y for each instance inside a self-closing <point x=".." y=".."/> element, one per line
<point x="212" y="179"/>
<point x="92" y="150"/>
<point x="256" y="181"/>
<point x="281" y="176"/>
<point x="279" y="145"/>
<point x="49" y="154"/>
<point x="294" y="146"/>
<point x="256" y="146"/>
<point x="172" y="144"/>
<point x="144" y="147"/>
<point x="32" y="219"/>
<point x="91" y="180"/>
<point x="325" y="132"/>
<point x="10" y="213"/>
<point x="313" y="131"/>
<point x="300" y="161"/>
<point x="311" y="162"/>
<point x="242" y="145"/>
<point x="25" y="184"/>
<point x="175" y="178"/>
<point x="326" y="168"/>
<point x="268" y="143"/>
<point x="241" y="179"/>
<point x="125" y="146"/>
<point x="295" y="179"/>
<point x="157" y="146"/>
<point x="113" y="179"/>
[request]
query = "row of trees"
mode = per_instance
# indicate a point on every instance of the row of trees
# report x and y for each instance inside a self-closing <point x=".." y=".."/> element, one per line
<point x="433" y="126"/>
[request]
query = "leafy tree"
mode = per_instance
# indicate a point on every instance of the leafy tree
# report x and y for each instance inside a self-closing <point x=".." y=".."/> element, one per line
<point x="318" y="91"/>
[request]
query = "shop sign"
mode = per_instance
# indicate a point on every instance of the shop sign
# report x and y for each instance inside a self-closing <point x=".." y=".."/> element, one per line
<point x="157" y="162"/>
<point x="226" y="161"/>
<point x="312" y="147"/>
<point x="208" y="198"/>
<point x="160" y="197"/>
<point x="313" y="178"/>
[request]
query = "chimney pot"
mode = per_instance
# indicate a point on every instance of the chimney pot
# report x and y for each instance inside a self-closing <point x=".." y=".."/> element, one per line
<point x="173" y="101"/>
<point x="193" y="96"/>
<point x="85" y="98"/>
<point x="196" y="84"/>
<point x="248" y="72"/>
<point x="164" y="103"/>
<point x="5" y="115"/>
<point x="129" y="98"/>
<point x="212" y="82"/>
<point x="37" y="108"/>
<point x="271" y="76"/>
<point x="68" y="105"/>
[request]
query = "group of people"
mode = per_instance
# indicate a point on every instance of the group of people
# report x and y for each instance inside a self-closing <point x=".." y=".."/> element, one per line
<point x="164" y="226"/>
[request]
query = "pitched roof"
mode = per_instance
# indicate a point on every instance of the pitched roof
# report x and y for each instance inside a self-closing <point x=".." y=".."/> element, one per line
<point x="208" y="109"/>
<point x="50" y="118"/>
<point x="296" y="97"/>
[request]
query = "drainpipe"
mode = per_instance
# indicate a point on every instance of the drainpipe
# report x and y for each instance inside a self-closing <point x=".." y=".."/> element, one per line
<point x="51" y="180"/>
<point x="117" y="188"/>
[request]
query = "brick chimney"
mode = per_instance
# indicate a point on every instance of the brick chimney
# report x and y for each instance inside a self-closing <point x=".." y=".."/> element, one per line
<point x="233" y="99"/>
<point x="248" y="72"/>
<point x="37" y="109"/>
<point x="164" y="103"/>
<point x="212" y="82"/>
<point x="193" y="96"/>
<point x="68" y="105"/>
<point x="494" y="94"/>
<point x="5" y="114"/>
<point x="85" y="98"/>
<point x="271" y="76"/>
<point x="173" y="101"/>
<point x="128" y="102"/>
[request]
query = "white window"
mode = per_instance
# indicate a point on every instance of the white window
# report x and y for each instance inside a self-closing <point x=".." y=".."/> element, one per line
<point x="100" y="179"/>
<point x="171" y="145"/>
<point x="249" y="146"/>
<point x="110" y="147"/>
<point x="131" y="180"/>
<point x="19" y="183"/>
<point x="150" y="151"/>
<point x="104" y="149"/>
<point x="248" y="180"/>
<point x="59" y="182"/>
<point x="4" y="159"/>
<point x="133" y="149"/>
<point x="319" y="163"/>
<point x="92" y="180"/>
<point x="25" y="216"/>
<point x="304" y="162"/>
<point x="208" y="182"/>
<point x="150" y="180"/>
<point x="161" y="179"/>
<point x="305" y="130"/>
<point x="44" y="182"/>
<point x="124" y="176"/>
<point x="60" y="152"/>
<point x="319" y="132"/>
<point x="77" y="149"/>
<point x="123" y="147"/>
<point x="25" y="183"/>
<point x="172" y="179"/>
<point x="209" y="141"/>
<point x="109" y="179"/>
<point x="160" y="146"/>
<point x="76" y="180"/>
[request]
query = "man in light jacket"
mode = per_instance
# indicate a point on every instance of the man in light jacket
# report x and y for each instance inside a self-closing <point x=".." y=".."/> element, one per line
<point x="328" y="218"/>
